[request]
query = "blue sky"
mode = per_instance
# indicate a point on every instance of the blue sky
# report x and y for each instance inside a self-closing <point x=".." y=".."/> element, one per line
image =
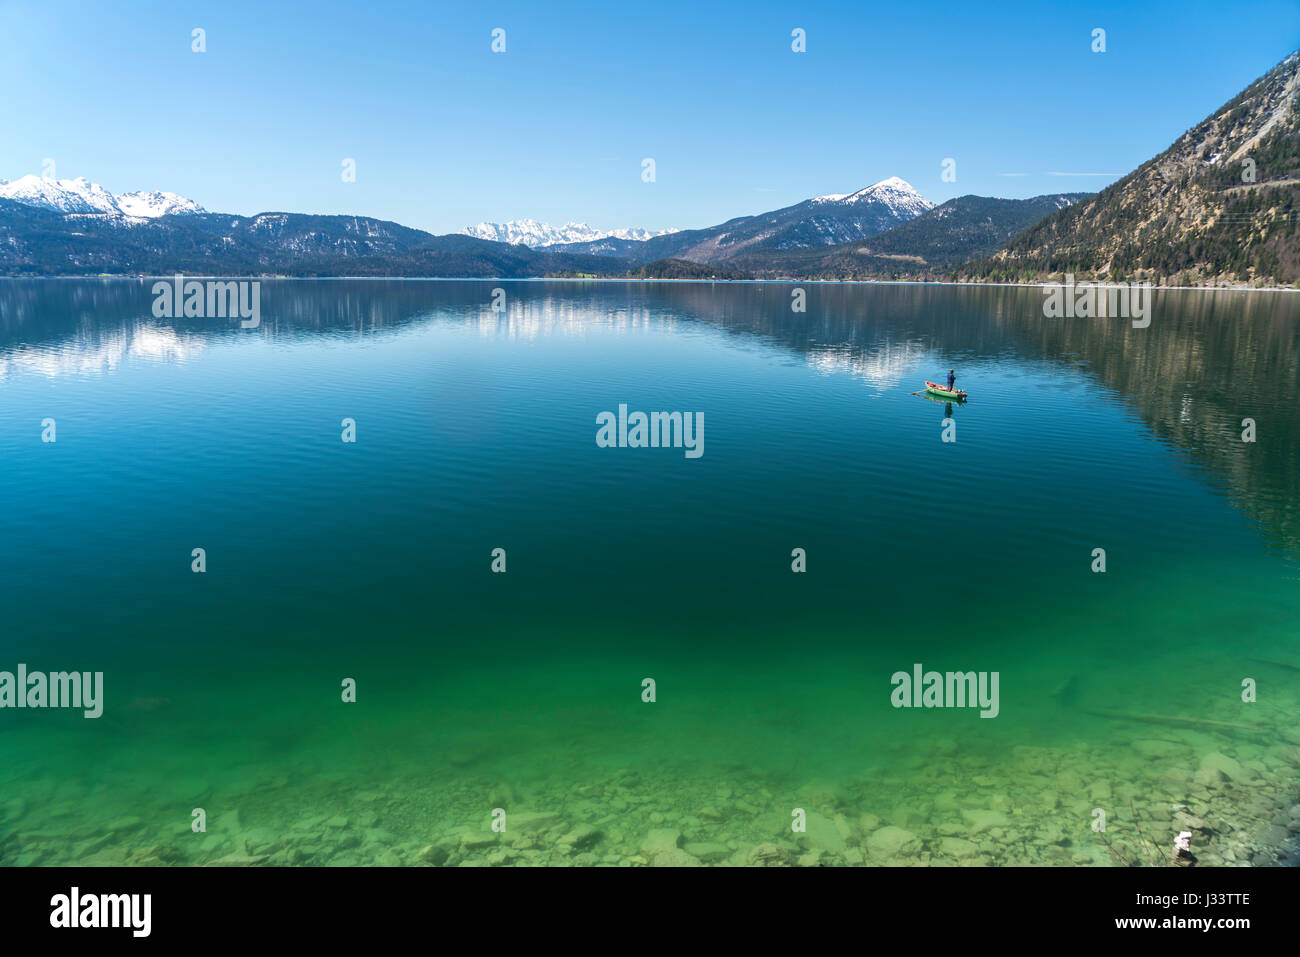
<point x="446" y="133"/>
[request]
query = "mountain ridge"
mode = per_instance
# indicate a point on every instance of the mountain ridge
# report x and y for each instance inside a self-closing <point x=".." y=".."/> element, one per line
<point x="927" y="246"/>
<point x="530" y="232"/>
<point x="820" y="221"/>
<point x="1220" y="204"/>
<point x="82" y="197"/>
<point x="40" y="242"/>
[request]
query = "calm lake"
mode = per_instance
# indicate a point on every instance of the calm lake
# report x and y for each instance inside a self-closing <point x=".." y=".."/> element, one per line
<point x="372" y="560"/>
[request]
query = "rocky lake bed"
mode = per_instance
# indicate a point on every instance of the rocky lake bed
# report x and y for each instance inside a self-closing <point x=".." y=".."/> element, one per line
<point x="1033" y="806"/>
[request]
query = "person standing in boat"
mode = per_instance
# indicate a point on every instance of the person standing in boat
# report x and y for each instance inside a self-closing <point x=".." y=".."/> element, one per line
<point x="952" y="377"/>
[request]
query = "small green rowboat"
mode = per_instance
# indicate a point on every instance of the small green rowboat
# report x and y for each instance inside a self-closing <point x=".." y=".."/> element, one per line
<point x="944" y="392"/>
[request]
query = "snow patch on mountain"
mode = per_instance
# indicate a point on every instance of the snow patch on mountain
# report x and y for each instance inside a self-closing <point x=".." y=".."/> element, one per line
<point x="81" y="197"/>
<point x="531" y="233"/>
<point x="156" y="203"/>
<point x="894" y="192"/>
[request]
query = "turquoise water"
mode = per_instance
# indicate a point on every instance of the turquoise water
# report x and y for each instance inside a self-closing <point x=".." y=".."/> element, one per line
<point x="522" y="691"/>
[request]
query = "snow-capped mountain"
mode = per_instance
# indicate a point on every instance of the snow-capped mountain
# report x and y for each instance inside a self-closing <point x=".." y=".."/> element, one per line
<point x="61" y="195"/>
<point x="822" y="221"/>
<point x="80" y="196"/>
<point x="531" y="233"/>
<point x="894" y="193"/>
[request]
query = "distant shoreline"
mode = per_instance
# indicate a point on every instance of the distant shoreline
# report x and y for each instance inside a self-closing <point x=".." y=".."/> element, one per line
<point x="643" y="281"/>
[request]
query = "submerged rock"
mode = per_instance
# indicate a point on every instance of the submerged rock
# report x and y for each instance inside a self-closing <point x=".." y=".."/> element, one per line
<point x="675" y="857"/>
<point x="1229" y="768"/>
<point x="958" y="847"/>
<point x="980" y="820"/>
<point x="1156" y="748"/>
<point x="474" y="840"/>
<point x="822" y="834"/>
<point x="1208" y="777"/>
<point x="821" y="794"/>
<point x="1187" y="820"/>
<point x="888" y="842"/>
<point x="108" y="857"/>
<point x="157" y="856"/>
<point x="238" y="860"/>
<point x="769" y="855"/>
<point x="531" y="822"/>
<point x="660" y="839"/>
<point x="581" y="837"/>
<point x="708" y="851"/>
<point x="433" y="854"/>
<point x="1273" y="836"/>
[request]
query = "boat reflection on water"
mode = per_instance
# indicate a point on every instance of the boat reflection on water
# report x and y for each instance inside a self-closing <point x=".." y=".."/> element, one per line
<point x="946" y="403"/>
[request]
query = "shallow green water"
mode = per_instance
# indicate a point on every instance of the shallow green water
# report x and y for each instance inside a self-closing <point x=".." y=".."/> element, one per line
<point x="523" y="691"/>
